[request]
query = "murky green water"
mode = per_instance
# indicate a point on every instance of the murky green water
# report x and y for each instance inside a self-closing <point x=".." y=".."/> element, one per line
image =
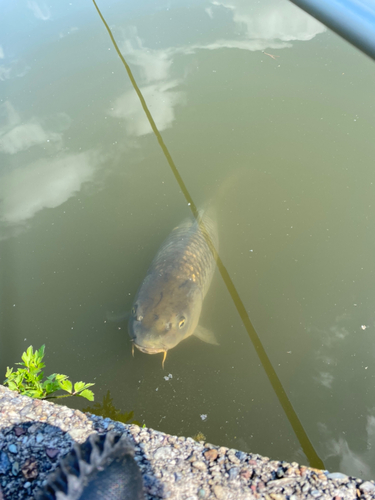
<point x="266" y="114"/>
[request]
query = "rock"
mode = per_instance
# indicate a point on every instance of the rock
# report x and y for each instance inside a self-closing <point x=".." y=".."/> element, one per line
<point x="315" y="493"/>
<point x="367" y="487"/>
<point x="219" y="492"/>
<point x="276" y="496"/>
<point x="12" y="448"/>
<point x="240" y="455"/>
<point x="15" y="468"/>
<point x="337" y="475"/>
<point x="52" y="452"/>
<point x="199" y="465"/>
<point x="246" y="474"/>
<point x="233" y="473"/>
<point x="163" y="453"/>
<point x="211" y="455"/>
<point x="39" y="438"/>
<point x="18" y="431"/>
<point x="5" y="464"/>
<point x="30" y="469"/>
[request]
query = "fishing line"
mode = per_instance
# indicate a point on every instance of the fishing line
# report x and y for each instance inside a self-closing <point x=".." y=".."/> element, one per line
<point x="307" y="447"/>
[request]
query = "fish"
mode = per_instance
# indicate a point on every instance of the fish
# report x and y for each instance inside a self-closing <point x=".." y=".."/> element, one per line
<point x="103" y="467"/>
<point x="168" y="304"/>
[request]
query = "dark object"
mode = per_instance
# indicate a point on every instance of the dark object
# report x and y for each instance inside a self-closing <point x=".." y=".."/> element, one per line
<point x="101" y="468"/>
<point x="354" y="20"/>
<point x="30" y="469"/>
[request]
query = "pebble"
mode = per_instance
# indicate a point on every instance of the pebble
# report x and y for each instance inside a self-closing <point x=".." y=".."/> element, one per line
<point x="367" y="487"/>
<point x="15" y="468"/>
<point x="163" y="453"/>
<point x="233" y="473"/>
<point x="199" y="465"/>
<point x="337" y="475"/>
<point x="211" y="455"/>
<point x="5" y="464"/>
<point x="219" y="492"/>
<point x="13" y="448"/>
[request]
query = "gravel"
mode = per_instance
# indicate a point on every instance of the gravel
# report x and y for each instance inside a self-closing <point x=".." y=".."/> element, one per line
<point x="34" y="434"/>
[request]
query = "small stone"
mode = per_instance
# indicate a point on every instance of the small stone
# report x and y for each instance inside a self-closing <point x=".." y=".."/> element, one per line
<point x="18" y="431"/>
<point x="233" y="459"/>
<point x="241" y="455"/>
<point x="33" y="428"/>
<point x="12" y="448"/>
<point x="15" y="468"/>
<point x="27" y="485"/>
<point x="199" y="465"/>
<point x="337" y="475"/>
<point x="245" y="474"/>
<point x="219" y="492"/>
<point x="39" y="438"/>
<point x="233" y="473"/>
<point x="30" y="469"/>
<point x="5" y="464"/>
<point x="211" y="455"/>
<point x="281" y="482"/>
<point x="315" y="493"/>
<point x="277" y="496"/>
<point x="52" y="452"/>
<point x="163" y="453"/>
<point x="75" y="433"/>
<point x="280" y="472"/>
<point x="201" y="493"/>
<point x="367" y="486"/>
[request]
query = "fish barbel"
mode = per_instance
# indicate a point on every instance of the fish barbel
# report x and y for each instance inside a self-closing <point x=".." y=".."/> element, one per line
<point x="168" y="304"/>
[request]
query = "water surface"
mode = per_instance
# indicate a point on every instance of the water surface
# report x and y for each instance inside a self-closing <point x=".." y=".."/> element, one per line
<point x="266" y="114"/>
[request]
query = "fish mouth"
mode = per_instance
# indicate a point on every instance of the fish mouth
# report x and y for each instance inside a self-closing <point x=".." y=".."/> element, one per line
<point x="148" y="350"/>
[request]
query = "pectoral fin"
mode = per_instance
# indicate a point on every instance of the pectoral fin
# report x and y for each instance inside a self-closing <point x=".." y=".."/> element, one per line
<point x="205" y="335"/>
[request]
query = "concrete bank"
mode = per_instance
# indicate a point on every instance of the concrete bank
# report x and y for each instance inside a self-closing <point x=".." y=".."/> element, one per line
<point x="34" y="434"/>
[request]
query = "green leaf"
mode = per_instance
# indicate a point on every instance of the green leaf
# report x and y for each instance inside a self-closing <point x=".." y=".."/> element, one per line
<point x="12" y="386"/>
<point x="87" y="394"/>
<point x="79" y="386"/>
<point x="66" y="385"/>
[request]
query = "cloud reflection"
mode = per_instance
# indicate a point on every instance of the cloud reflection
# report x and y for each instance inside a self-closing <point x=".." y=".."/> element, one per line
<point x="161" y="100"/>
<point x="45" y="183"/>
<point x="40" y="11"/>
<point x="16" y="136"/>
<point x="256" y="27"/>
<point x="271" y="20"/>
<point x="156" y="84"/>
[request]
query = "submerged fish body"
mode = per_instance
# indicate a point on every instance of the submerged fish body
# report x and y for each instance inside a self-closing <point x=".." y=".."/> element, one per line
<point x="168" y="304"/>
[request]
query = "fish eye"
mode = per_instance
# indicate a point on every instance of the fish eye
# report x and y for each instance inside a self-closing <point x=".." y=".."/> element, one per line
<point x="134" y="310"/>
<point x="181" y="322"/>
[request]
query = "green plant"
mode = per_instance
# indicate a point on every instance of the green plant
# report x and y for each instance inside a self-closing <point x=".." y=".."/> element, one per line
<point x="28" y="381"/>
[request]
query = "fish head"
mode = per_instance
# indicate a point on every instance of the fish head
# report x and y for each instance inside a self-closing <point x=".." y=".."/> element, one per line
<point x="164" y="313"/>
